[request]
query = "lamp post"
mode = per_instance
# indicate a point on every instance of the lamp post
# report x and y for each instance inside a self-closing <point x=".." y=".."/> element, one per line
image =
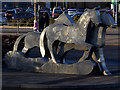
<point x="114" y="2"/>
<point x="56" y="3"/>
<point x="66" y="4"/>
<point x="63" y="4"/>
<point x="116" y="13"/>
<point x="35" y="19"/>
<point x="39" y="16"/>
<point x="35" y="10"/>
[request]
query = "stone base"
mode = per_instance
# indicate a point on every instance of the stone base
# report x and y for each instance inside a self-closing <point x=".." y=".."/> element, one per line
<point x="82" y="68"/>
<point x="15" y="60"/>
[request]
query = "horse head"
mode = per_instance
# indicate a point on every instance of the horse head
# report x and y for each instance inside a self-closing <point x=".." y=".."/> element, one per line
<point x="107" y="19"/>
<point x="95" y="16"/>
<point x="96" y="30"/>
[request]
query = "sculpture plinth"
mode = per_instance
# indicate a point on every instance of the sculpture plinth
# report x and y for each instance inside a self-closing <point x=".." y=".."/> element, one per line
<point x="15" y="60"/>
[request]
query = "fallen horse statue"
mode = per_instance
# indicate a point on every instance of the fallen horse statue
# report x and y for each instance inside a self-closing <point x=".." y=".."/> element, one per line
<point x="88" y="34"/>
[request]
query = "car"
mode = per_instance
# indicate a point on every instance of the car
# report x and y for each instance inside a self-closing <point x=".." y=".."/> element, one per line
<point x="50" y="11"/>
<point x="56" y="12"/>
<point x="76" y="14"/>
<point x="30" y="10"/>
<point x="9" y="14"/>
<point x="106" y="10"/>
<point x="21" y="15"/>
<point x="80" y="10"/>
<point x="2" y="12"/>
<point x="17" y="10"/>
<point x="72" y="11"/>
<point x="3" y="21"/>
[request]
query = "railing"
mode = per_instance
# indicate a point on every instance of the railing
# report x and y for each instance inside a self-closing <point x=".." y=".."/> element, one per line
<point x="22" y="24"/>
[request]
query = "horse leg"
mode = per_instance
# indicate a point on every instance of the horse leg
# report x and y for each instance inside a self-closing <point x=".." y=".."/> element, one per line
<point x="51" y="51"/>
<point x="82" y="58"/>
<point x="64" y="49"/>
<point x="24" y="50"/>
<point x="94" y="58"/>
<point x="88" y="53"/>
<point x="60" y="52"/>
<point x="18" y="43"/>
<point x="101" y="61"/>
<point x="56" y="48"/>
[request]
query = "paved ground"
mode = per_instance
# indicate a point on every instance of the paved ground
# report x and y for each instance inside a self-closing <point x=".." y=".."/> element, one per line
<point x="113" y="36"/>
<point x="45" y="80"/>
<point x="15" y="80"/>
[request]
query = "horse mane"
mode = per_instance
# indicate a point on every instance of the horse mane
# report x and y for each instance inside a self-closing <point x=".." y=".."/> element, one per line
<point x="83" y="23"/>
<point x="64" y="19"/>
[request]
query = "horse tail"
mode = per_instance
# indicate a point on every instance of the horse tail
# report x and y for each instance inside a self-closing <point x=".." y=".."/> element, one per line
<point x="17" y="42"/>
<point x="42" y="46"/>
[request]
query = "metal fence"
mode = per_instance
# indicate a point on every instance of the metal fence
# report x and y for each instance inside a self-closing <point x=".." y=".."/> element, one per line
<point x="21" y="26"/>
<point x="17" y="26"/>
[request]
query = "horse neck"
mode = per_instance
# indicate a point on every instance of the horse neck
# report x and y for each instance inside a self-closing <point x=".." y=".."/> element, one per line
<point x="83" y="23"/>
<point x="84" y="20"/>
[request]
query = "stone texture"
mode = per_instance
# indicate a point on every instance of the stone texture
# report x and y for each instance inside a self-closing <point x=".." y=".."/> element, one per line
<point x="15" y="60"/>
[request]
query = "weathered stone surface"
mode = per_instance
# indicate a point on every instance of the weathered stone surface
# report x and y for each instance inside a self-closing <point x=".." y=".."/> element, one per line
<point x="15" y="60"/>
<point x="64" y="18"/>
<point x="88" y="33"/>
<point x="83" y="68"/>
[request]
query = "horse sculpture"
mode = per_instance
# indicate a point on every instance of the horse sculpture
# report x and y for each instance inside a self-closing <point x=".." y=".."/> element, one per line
<point x="59" y="38"/>
<point x="75" y="34"/>
<point x="31" y="39"/>
<point x="88" y="34"/>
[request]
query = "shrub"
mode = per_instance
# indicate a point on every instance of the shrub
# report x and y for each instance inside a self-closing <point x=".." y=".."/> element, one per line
<point x="30" y="22"/>
<point x="15" y="22"/>
<point x="22" y="22"/>
<point x="76" y="18"/>
<point x="51" y="21"/>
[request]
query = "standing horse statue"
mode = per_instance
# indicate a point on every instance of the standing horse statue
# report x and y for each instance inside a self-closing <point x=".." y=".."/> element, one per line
<point x="88" y="34"/>
<point x="75" y="34"/>
<point x="31" y="39"/>
<point x="96" y="37"/>
<point x="28" y="42"/>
